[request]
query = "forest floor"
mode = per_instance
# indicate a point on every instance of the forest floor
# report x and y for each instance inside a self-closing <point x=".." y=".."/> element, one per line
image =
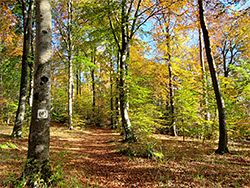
<point x="92" y="158"/>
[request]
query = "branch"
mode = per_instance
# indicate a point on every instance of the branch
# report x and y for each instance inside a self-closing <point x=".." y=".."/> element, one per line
<point x="112" y="28"/>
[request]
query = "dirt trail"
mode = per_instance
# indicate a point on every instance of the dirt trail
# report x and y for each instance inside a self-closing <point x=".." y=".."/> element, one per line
<point x="91" y="158"/>
<point x="94" y="158"/>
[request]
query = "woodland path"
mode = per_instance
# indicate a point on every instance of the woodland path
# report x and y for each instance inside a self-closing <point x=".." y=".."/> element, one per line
<point x="93" y="157"/>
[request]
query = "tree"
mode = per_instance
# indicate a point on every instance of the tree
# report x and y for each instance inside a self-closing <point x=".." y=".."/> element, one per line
<point x="38" y="150"/>
<point x="70" y="68"/>
<point x="27" y="26"/>
<point x="132" y="15"/>
<point x="223" y="140"/>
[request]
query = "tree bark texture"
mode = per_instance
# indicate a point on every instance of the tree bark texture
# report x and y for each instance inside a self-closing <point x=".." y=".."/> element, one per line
<point x="70" y="49"/>
<point x="111" y="95"/>
<point x="32" y="70"/>
<point x="38" y="149"/>
<point x="223" y="140"/>
<point x="166" y="30"/>
<point x="27" y="25"/>
<point x="124" y="106"/>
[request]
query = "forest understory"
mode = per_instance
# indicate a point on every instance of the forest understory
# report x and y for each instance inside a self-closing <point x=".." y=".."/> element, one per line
<point x="93" y="157"/>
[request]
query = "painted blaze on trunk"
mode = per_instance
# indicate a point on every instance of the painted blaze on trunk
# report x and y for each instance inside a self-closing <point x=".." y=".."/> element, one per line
<point x="38" y="150"/>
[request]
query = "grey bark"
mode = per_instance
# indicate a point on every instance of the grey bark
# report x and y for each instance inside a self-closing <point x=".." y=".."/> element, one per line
<point x="171" y="100"/>
<point x="170" y="104"/>
<point x="32" y="70"/>
<point x="111" y="95"/>
<point x="70" y="49"/>
<point x="27" y="25"/>
<point x="204" y="104"/>
<point x="38" y="149"/>
<point x="223" y="139"/>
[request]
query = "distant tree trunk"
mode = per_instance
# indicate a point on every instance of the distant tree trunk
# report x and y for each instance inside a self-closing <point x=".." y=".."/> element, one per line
<point x="203" y="77"/>
<point x="38" y="150"/>
<point x="1" y="93"/>
<point x="111" y="95"/>
<point x="93" y="85"/>
<point x="31" y="66"/>
<point x="223" y="140"/>
<point x="27" y="25"/>
<point x="70" y="49"/>
<point x="117" y="102"/>
<point x="171" y="97"/>
<point x="173" y="129"/>
<point x="204" y="104"/>
<point x="78" y="81"/>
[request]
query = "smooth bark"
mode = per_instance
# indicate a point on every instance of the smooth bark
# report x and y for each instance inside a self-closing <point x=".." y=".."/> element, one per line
<point x="38" y="150"/>
<point x="111" y="95"/>
<point x="27" y="25"/>
<point x="70" y="66"/>
<point x="223" y="139"/>
<point x="32" y="70"/>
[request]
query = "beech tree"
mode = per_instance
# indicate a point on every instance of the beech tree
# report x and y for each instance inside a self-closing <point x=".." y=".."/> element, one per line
<point x="132" y="15"/>
<point x="70" y="67"/>
<point x="37" y="167"/>
<point x="223" y="140"/>
<point x="27" y="27"/>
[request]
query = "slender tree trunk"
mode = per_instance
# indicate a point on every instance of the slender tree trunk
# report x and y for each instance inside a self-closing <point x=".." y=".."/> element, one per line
<point x="171" y="97"/>
<point x="27" y="24"/>
<point x="203" y="77"/>
<point x="124" y="96"/>
<point x="1" y="91"/>
<point x="78" y="82"/>
<point x="173" y="129"/>
<point x="31" y="66"/>
<point x="223" y="140"/>
<point x="70" y="49"/>
<point x="124" y="51"/>
<point x="38" y="150"/>
<point x="117" y="102"/>
<point x="204" y="104"/>
<point x="111" y="95"/>
<point x="93" y="85"/>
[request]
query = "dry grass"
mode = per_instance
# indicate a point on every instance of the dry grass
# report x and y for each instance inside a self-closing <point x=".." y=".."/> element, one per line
<point x="91" y="158"/>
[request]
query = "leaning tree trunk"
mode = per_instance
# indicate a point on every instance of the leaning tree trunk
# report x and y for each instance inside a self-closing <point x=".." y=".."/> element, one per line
<point x="27" y="24"/>
<point x="37" y="167"/>
<point x="223" y="140"/>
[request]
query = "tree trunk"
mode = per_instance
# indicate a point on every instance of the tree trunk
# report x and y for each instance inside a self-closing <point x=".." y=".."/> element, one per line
<point x="70" y="49"/>
<point x="38" y="150"/>
<point x="27" y="24"/>
<point x="1" y="91"/>
<point x="124" y="52"/>
<point x="124" y="96"/>
<point x="93" y="85"/>
<point x="31" y="66"/>
<point x="204" y="104"/>
<point x="173" y="129"/>
<point x="111" y="95"/>
<point x="171" y="97"/>
<point x="223" y="140"/>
